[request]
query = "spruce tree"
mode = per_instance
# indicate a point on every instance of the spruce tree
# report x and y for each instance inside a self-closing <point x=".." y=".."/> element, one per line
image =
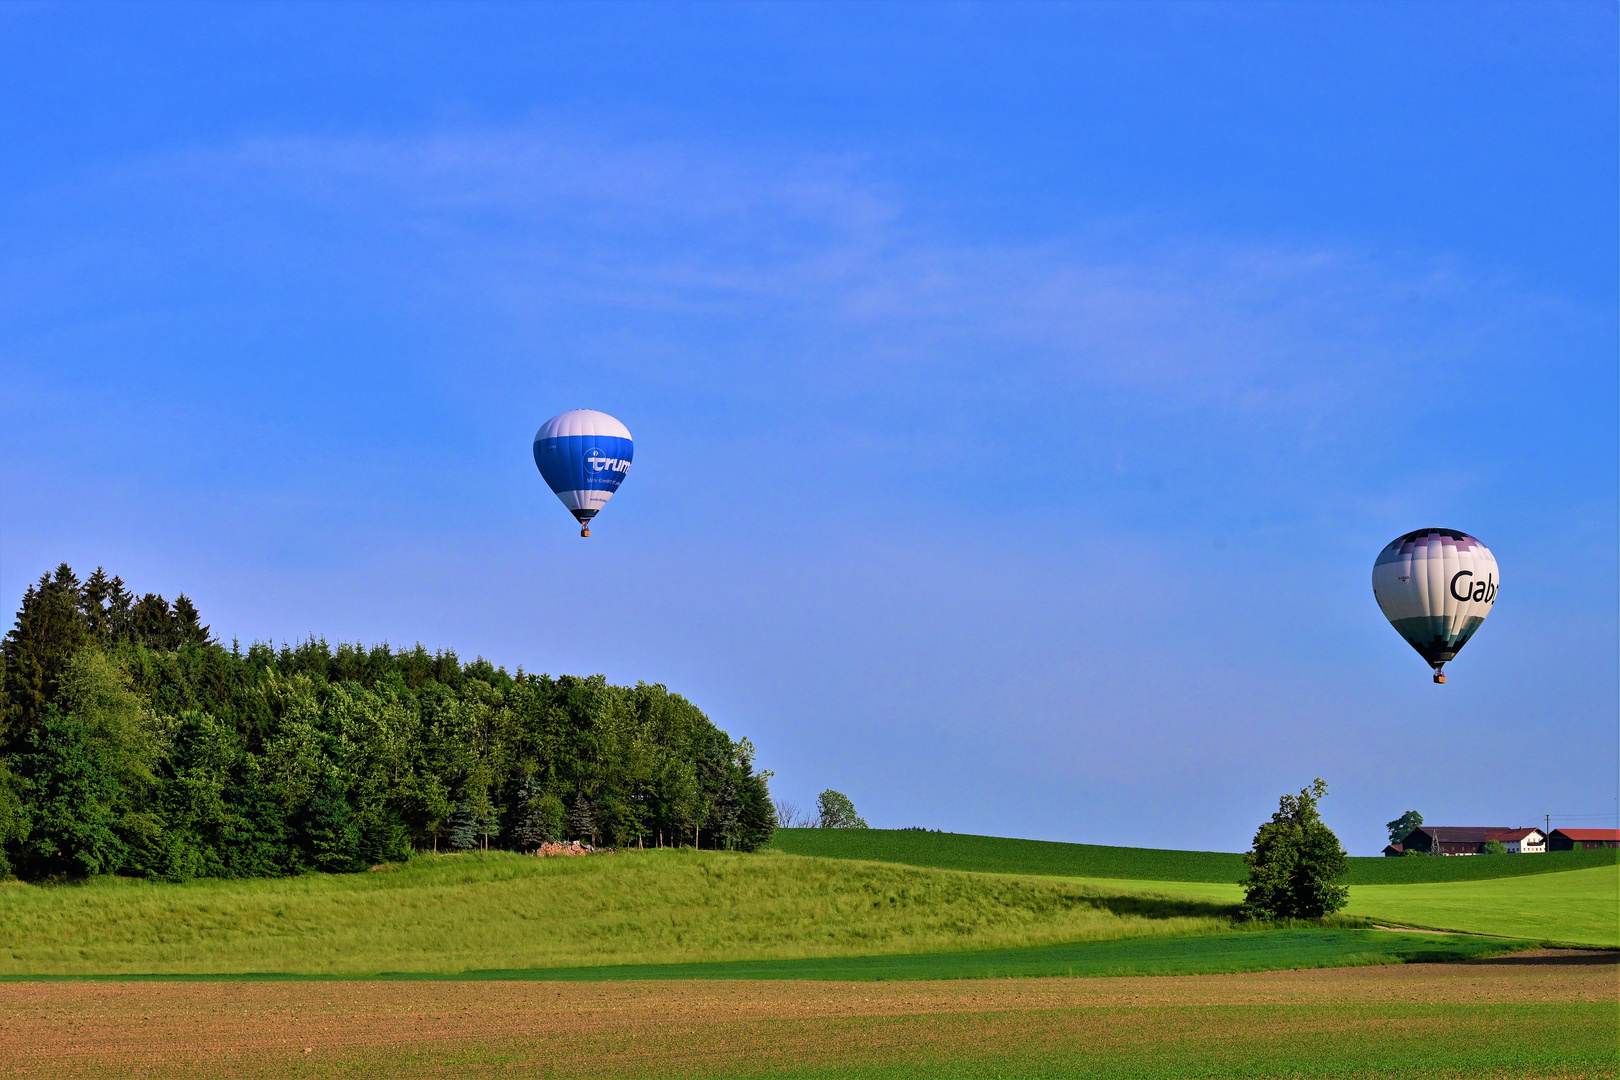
<point x="48" y="632"/>
<point x="535" y="824"/>
<point x="583" y="820"/>
<point x="152" y="624"/>
<point x="331" y="840"/>
<point x="188" y="627"/>
<point x="463" y="829"/>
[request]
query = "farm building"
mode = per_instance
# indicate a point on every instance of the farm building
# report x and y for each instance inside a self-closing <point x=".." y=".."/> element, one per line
<point x="1521" y="841"/>
<point x="1469" y="840"/>
<point x="1576" y="839"/>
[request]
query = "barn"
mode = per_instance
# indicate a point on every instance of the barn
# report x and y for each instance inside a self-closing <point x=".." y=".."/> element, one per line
<point x="1578" y="839"/>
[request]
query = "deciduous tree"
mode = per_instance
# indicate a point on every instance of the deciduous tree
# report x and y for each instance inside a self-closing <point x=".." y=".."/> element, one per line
<point x="1402" y="827"/>
<point x="836" y="811"/>
<point x="1296" y="862"/>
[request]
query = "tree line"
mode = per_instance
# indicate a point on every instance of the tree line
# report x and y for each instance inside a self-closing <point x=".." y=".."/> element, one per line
<point x="133" y="742"/>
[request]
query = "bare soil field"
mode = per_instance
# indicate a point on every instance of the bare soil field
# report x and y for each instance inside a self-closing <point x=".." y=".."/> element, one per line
<point x="1465" y="1019"/>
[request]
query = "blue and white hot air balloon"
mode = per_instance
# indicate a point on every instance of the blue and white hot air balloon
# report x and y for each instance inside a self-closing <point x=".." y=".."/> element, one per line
<point x="1435" y="587"/>
<point x="584" y="455"/>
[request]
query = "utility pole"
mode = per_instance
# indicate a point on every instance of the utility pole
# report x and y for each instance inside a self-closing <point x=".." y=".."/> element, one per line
<point x="1548" y="829"/>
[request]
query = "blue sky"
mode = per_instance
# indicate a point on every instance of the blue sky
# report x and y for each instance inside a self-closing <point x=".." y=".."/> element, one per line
<point x="1021" y="393"/>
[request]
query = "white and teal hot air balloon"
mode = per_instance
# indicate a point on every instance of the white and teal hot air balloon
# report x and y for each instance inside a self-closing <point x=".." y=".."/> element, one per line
<point x="584" y="455"/>
<point x="1435" y="587"/>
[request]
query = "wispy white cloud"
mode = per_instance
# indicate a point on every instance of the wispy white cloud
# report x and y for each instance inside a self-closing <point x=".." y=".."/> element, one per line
<point x="532" y="220"/>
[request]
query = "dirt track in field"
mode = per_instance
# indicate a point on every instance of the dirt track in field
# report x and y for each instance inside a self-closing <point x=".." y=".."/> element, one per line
<point x="219" y="1029"/>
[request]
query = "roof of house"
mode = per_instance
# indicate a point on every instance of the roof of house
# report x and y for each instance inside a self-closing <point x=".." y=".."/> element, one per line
<point x="1462" y="834"/>
<point x="1395" y="848"/>
<point x="1590" y="834"/>
<point x="1508" y="836"/>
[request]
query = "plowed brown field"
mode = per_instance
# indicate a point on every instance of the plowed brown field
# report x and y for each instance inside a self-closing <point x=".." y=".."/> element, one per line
<point x="1011" y="1027"/>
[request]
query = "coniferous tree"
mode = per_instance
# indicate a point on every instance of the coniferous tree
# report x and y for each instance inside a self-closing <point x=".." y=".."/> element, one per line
<point x="583" y="820"/>
<point x="187" y="623"/>
<point x="463" y="829"/>
<point x="539" y="816"/>
<point x="120" y="611"/>
<point x="48" y="632"/>
<point x="152" y="623"/>
<point x="331" y="840"/>
<point x="93" y="598"/>
<point x="255" y="841"/>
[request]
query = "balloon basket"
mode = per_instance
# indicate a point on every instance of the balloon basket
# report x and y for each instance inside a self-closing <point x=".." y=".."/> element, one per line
<point x="586" y="531"/>
<point x="1439" y="678"/>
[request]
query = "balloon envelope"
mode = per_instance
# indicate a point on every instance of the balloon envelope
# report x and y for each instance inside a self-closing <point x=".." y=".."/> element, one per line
<point x="584" y="456"/>
<point x="1435" y="587"/>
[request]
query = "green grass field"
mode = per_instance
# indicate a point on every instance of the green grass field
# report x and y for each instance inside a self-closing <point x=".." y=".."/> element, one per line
<point x="462" y="912"/>
<point x="998" y="855"/>
<point x="1578" y="907"/>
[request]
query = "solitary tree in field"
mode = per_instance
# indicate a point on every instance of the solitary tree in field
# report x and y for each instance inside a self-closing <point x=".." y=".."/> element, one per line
<point x="1296" y="863"/>
<point x="837" y="812"/>
<point x="1402" y="827"/>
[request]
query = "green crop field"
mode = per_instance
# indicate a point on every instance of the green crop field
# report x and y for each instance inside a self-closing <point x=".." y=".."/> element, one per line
<point x="461" y="912"/>
<point x="1228" y="953"/>
<point x="999" y="855"/>
<point x="1260" y="950"/>
<point x="1430" y="1042"/>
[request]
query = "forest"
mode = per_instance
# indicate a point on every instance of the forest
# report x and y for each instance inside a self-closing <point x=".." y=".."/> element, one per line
<point x="133" y="742"/>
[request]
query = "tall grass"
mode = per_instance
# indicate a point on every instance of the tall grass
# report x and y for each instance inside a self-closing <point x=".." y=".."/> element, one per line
<point x="498" y="910"/>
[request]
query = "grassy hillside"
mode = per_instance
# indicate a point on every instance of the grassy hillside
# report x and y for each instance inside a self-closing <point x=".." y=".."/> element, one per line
<point x="1580" y="907"/>
<point x="998" y="855"/>
<point x="471" y="911"/>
